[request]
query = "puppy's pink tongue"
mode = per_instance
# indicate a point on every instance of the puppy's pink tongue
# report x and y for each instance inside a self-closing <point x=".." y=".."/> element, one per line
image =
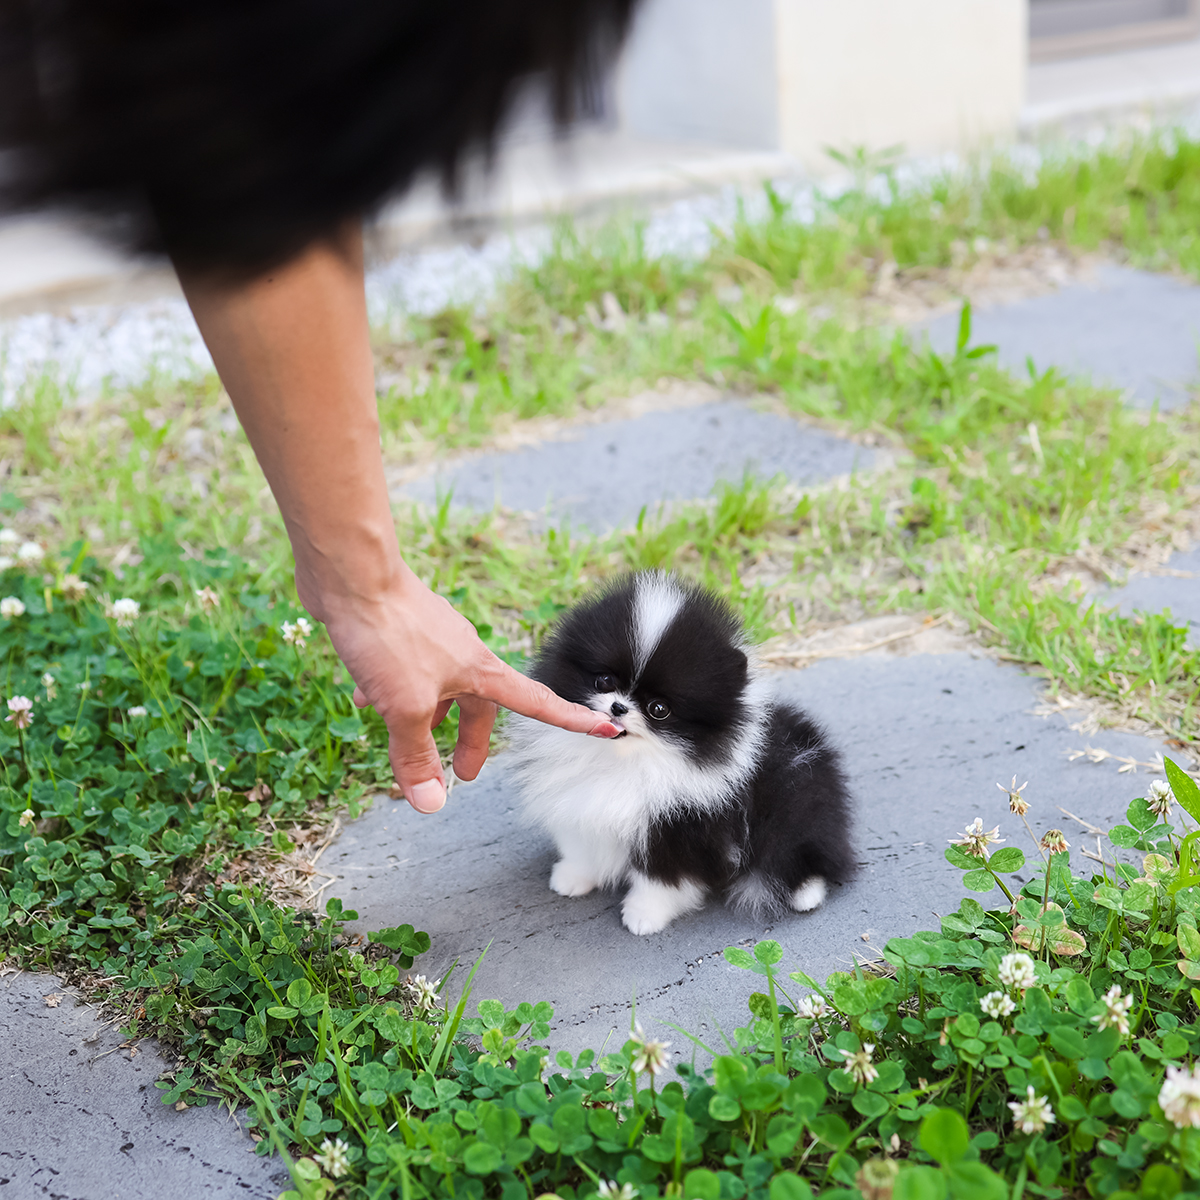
<point x="606" y="729"/>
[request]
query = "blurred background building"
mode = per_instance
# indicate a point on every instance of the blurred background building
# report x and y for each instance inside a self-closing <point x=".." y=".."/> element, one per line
<point x="710" y="92"/>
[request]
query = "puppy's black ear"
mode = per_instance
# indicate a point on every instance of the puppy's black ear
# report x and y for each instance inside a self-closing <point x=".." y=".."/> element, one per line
<point x="736" y="664"/>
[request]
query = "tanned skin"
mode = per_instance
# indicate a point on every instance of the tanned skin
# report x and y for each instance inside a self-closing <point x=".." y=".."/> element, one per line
<point x="292" y="348"/>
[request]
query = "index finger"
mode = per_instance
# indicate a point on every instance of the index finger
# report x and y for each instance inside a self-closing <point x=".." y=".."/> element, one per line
<point x="501" y="684"/>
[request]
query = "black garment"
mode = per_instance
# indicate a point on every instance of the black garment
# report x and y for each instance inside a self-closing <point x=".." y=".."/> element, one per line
<point x="234" y="132"/>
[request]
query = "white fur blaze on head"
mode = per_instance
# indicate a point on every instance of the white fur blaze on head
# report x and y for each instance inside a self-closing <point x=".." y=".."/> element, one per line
<point x="809" y="895"/>
<point x="650" y="905"/>
<point x="656" y="603"/>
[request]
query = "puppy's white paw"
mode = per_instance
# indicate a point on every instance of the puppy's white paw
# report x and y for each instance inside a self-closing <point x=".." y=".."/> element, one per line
<point x="641" y="917"/>
<point x="809" y="895"/>
<point x="571" y="879"/>
<point x="650" y="906"/>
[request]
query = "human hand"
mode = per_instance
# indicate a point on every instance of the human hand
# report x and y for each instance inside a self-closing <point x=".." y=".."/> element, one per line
<point x="412" y="656"/>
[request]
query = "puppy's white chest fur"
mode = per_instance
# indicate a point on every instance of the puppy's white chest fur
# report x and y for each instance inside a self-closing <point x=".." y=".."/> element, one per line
<point x="605" y="790"/>
<point x="597" y="799"/>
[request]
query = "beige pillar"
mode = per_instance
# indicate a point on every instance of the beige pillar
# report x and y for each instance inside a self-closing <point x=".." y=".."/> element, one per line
<point x="929" y="75"/>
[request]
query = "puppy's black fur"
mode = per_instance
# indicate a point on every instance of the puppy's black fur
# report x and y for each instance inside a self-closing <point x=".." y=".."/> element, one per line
<point x="789" y="822"/>
<point x="713" y="785"/>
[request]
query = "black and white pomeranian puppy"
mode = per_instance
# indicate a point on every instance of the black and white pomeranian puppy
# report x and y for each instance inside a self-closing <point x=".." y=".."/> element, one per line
<point x="712" y="786"/>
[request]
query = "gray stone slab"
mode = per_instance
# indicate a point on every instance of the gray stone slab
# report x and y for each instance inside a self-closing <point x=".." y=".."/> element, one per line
<point x="76" y="1126"/>
<point x="605" y="476"/>
<point x="1129" y="329"/>
<point x="1156" y="593"/>
<point x="926" y="739"/>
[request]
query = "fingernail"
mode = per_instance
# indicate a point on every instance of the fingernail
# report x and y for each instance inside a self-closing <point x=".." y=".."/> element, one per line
<point x="606" y="729"/>
<point x="427" y="797"/>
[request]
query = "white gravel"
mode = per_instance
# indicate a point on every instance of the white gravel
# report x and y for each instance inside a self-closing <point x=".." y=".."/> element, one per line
<point x="94" y="349"/>
<point x="99" y="348"/>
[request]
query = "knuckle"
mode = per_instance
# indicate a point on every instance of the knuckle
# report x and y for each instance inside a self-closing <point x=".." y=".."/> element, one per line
<point x="415" y="769"/>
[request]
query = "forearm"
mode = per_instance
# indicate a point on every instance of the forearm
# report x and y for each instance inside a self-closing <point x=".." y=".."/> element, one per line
<point x="293" y="350"/>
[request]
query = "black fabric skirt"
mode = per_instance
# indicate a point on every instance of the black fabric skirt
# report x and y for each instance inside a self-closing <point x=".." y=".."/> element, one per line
<point x="232" y="133"/>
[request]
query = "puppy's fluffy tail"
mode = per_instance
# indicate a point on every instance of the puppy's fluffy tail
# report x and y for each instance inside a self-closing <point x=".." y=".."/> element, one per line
<point x="759" y="896"/>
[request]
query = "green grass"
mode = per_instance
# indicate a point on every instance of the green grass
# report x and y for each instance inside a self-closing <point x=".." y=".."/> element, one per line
<point x="1007" y="498"/>
<point x="1005" y="481"/>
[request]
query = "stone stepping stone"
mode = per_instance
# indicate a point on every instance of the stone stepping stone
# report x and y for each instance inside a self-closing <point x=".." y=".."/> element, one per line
<point x="1130" y="329"/>
<point x="76" y="1124"/>
<point x="926" y="739"/>
<point x="1156" y="593"/>
<point x="608" y="473"/>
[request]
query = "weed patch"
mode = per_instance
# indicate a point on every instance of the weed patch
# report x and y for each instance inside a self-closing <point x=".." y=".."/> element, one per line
<point x="1039" y="1048"/>
<point x="172" y="722"/>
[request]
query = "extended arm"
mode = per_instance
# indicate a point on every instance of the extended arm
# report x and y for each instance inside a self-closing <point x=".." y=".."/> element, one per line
<point x="293" y="350"/>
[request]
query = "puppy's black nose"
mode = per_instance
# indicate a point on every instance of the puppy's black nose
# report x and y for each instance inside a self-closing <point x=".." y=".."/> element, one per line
<point x="618" y="709"/>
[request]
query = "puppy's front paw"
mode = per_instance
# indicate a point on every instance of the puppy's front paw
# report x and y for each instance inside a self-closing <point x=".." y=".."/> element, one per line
<point x="642" y="918"/>
<point x="570" y="879"/>
<point x="650" y="906"/>
<point x="809" y="895"/>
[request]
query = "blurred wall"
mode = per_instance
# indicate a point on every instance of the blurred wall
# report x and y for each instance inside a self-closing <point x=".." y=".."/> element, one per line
<point x="702" y="70"/>
<point x="800" y="75"/>
<point x="930" y="74"/>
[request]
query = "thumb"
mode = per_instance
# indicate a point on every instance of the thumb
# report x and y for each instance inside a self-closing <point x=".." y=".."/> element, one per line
<point x="417" y="766"/>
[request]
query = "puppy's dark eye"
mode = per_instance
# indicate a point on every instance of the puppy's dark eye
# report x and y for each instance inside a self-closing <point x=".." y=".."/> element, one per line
<point x="605" y="683"/>
<point x="658" y="710"/>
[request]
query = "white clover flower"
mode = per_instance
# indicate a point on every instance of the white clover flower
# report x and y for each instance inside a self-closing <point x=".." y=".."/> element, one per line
<point x="424" y="993"/>
<point x="25" y="820"/>
<point x="975" y="840"/>
<point x="608" y="1189"/>
<point x="1116" y="1011"/>
<point x="333" y="1159"/>
<point x="74" y="588"/>
<point x="1016" y="802"/>
<point x="12" y="606"/>
<point x="20" y="712"/>
<point x="859" y="1064"/>
<point x="209" y="599"/>
<point x="1054" y="841"/>
<point x="1016" y="971"/>
<point x="812" y="1007"/>
<point x="296" y="632"/>
<point x="51" y="685"/>
<point x="138" y="710"/>
<point x="1180" y="1097"/>
<point x="124" y="611"/>
<point x="651" y="1056"/>
<point x="1032" y="1114"/>
<point x="1160" y="798"/>
<point x="9" y="537"/>
<point x="997" y="1004"/>
<point x="85" y="686"/>
<point x="6" y="561"/>
<point x="29" y="553"/>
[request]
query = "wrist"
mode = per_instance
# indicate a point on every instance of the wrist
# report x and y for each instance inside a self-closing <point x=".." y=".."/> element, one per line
<point x="359" y="570"/>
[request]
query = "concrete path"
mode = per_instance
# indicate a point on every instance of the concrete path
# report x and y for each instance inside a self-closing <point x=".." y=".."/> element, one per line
<point x="1128" y="329"/>
<point x="1177" y="589"/>
<point x="606" y="474"/>
<point x="925" y="739"/>
<point x="82" y="1120"/>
